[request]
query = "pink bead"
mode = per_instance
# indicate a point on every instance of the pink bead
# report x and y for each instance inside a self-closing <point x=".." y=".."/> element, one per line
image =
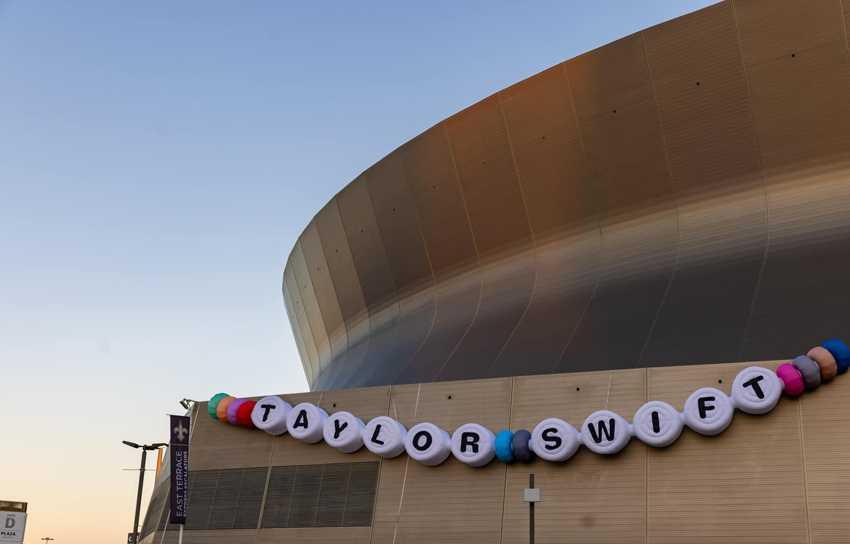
<point x="792" y="378"/>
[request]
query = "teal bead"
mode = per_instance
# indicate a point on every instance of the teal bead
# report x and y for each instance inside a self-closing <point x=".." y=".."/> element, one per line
<point x="213" y="404"/>
<point x="504" y="446"/>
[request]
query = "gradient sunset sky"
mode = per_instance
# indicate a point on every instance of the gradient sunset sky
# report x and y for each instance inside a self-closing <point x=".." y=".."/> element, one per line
<point x="158" y="160"/>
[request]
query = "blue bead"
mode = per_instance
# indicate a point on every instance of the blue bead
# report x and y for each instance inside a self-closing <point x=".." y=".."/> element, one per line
<point x="504" y="446"/>
<point x="840" y="351"/>
<point x="522" y="452"/>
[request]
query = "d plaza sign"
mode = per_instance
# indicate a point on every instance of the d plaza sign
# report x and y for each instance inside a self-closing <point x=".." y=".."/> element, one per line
<point x="707" y="411"/>
<point x="12" y="526"/>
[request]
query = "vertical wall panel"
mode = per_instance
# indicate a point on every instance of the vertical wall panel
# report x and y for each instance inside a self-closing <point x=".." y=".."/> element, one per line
<point x="706" y="489"/>
<point x="707" y="121"/>
<point x="553" y="169"/>
<point x="364" y="239"/>
<point x="505" y="294"/>
<point x="590" y="498"/>
<point x="720" y="253"/>
<point x="291" y="286"/>
<point x="350" y="296"/>
<point x="566" y="275"/>
<point x="487" y="175"/>
<point x="323" y="286"/>
<point x="311" y="305"/>
<point x="847" y="22"/>
<point x="827" y="456"/>
<point x="637" y="260"/>
<point x="455" y="303"/>
<point x="398" y="222"/>
<point x="366" y="403"/>
<point x="340" y="262"/>
<point x="468" y="509"/>
<point x="300" y="341"/>
<point x="801" y="106"/>
<point x="431" y="172"/>
<point x="774" y="29"/>
<point x="808" y="260"/>
<point x="619" y="124"/>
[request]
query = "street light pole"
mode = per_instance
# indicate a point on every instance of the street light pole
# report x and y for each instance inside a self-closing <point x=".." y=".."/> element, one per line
<point x="145" y="449"/>
<point x="139" y="496"/>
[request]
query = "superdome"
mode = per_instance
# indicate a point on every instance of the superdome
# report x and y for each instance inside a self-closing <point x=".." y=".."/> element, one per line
<point x="680" y="195"/>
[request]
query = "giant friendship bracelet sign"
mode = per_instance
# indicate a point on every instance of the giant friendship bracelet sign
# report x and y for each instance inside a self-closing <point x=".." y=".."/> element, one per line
<point x="708" y="411"/>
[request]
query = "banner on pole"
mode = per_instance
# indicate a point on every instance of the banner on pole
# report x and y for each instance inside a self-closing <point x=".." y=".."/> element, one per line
<point x="179" y="458"/>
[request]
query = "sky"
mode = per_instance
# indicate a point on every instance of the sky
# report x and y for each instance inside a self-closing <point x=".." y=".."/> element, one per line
<point x="158" y="160"/>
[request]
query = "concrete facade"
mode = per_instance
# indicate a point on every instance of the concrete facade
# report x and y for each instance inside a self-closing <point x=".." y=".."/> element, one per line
<point x="779" y="478"/>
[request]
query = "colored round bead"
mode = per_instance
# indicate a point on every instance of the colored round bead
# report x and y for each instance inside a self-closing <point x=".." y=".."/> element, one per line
<point x="243" y="414"/>
<point x="826" y="362"/>
<point x="221" y="409"/>
<point x="213" y="404"/>
<point x="233" y="408"/>
<point x="810" y="371"/>
<point x="792" y="378"/>
<point x="519" y="443"/>
<point x="840" y="351"/>
<point x="504" y="446"/>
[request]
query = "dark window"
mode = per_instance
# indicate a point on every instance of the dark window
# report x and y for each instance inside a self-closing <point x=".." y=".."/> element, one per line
<point x="225" y="499"/>
<point x="361" y="495"/>
<point x="334" y="495"/>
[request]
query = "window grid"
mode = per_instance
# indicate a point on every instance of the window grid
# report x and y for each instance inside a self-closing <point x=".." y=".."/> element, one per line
<point x="331" y="495"/>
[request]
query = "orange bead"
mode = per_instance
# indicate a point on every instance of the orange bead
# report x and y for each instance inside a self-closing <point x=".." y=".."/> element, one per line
<point x="221" y="409"/>
<point x="826" y="362"/>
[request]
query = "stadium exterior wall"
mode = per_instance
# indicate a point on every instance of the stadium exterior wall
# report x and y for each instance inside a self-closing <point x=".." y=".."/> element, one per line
<point x="679" y="195"/>
<point x="781" y="478"/>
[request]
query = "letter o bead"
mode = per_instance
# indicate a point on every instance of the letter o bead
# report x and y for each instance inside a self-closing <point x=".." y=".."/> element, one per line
<point x="756" y="390"/>
<point x="793" y="380"/>
<point x="473" y="444"/>
<point x="428" y="444"/>
<point x="554" y="440"/>
<point x="708" y="411"/>
<point x="384" y="436"/>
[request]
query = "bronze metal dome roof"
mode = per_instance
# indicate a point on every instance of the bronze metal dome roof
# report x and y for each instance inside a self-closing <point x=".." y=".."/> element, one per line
<point x="679" y="195"/>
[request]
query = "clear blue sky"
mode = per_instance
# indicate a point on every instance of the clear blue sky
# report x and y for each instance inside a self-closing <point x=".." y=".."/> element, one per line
<point x="158" y="160"/>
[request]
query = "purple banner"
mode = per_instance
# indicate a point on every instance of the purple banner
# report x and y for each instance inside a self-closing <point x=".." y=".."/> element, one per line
<point x="179" y="458"/>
